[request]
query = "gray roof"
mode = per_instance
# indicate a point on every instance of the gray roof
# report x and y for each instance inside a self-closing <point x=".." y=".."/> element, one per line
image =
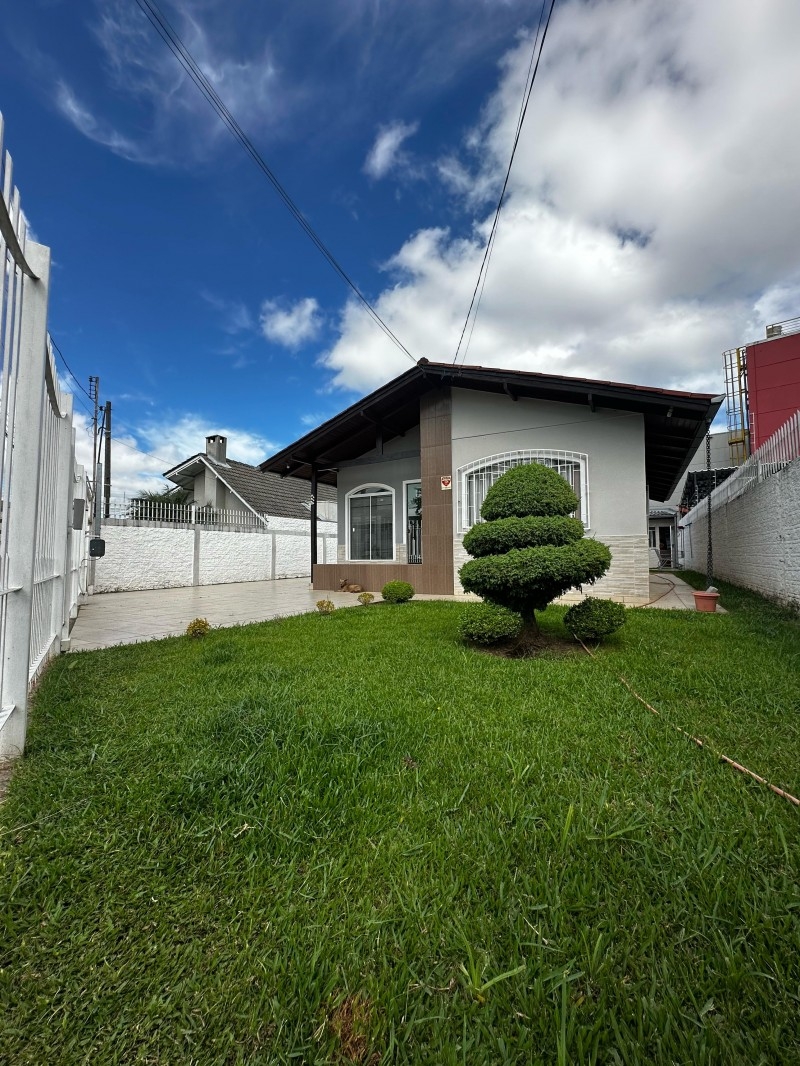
<point x="266" y="493"/>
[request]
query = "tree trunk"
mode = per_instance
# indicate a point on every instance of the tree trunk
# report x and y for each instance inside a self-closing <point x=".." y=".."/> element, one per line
<point x="530" y="628"/>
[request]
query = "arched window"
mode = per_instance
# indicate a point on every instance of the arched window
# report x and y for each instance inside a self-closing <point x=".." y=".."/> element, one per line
<point x="370" y="523"/>
<point x="475" y="479"/>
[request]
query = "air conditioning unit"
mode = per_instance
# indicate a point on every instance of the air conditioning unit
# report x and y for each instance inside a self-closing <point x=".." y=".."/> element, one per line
<point x="774" y="331"/>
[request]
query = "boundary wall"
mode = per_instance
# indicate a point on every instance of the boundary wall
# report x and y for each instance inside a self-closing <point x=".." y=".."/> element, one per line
<point x="157" y="555"/>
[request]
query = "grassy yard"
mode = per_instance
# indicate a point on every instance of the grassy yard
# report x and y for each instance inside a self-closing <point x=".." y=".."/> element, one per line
<point x="351" y="840"/>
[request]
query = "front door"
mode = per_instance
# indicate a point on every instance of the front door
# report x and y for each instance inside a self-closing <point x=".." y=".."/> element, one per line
<point x="414" y="521"/>
<point x="665" y="545"/>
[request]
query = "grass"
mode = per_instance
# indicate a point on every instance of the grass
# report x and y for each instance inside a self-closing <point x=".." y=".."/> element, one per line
<point x="349" y="839"/>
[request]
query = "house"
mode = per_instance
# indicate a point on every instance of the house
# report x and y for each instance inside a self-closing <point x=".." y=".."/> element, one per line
<point x="664" y="517"/>
<point x="214" y="480"/>
<point x="413" y="460"/>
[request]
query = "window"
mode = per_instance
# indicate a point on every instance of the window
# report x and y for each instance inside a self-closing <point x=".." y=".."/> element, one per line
<point x="370" y="520"/>
<point x="475" y="480"/>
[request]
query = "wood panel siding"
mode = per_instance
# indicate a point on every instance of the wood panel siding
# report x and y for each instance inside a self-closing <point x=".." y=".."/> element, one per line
<point x="436" y="460"/>
<point x="434" y="575"/>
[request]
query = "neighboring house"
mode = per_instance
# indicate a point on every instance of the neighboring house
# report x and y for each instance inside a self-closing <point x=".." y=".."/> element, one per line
<point x="664" y="517"/>
<point x="214" y="480"/>
<point x="413" y="461"/>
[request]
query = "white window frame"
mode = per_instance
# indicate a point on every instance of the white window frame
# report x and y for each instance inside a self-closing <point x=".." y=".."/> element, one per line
<point x="546" y="456"/>
<point x="359" y="491"/>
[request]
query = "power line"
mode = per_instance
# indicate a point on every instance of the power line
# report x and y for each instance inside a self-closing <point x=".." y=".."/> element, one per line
<point x="69" y="368"/>
<point x="184" y="57"/>
<point x="487" y="254"/>
<point x="141" y="451"/>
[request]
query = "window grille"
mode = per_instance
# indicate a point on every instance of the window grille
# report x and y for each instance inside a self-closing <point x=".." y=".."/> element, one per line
<point x="475" y="479"/>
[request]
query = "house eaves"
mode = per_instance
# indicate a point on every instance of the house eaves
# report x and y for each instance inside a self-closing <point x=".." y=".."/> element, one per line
<point x="675" y="422"/>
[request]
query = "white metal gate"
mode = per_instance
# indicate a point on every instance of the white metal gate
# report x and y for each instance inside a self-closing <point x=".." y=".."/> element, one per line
<point x="41" y="557"/>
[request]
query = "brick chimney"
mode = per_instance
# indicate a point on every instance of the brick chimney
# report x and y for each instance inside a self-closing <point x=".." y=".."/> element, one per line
<point x="217" y="448"/>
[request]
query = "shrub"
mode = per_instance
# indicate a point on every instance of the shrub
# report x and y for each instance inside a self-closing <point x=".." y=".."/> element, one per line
<point x="397" y="591"/>
<point x="366" y="598"/>
<point x="529" y="550"/>
<point x="594" y="619"/>
<point x="198" y="627"/>
<point x="486" y="623"/>
<point x="326" y="606"/>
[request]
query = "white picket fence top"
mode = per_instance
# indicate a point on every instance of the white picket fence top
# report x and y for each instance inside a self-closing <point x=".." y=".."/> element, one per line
<point x="180" y="514"/>
<point x="782" y="448"/>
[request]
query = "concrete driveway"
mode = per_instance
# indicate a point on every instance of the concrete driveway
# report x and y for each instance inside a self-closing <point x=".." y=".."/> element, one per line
<point x="129" y="617"/>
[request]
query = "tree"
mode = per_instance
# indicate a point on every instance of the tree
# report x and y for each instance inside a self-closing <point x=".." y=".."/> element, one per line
<point x="150" y="504"/>
<point x="528" y="550"/>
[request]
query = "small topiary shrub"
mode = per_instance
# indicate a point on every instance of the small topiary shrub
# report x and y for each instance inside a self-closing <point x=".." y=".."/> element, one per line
<point x="366" y="598"/>
<point x="326" y="606"/>
<point x="488" y="623"/>
<point x="593" y="619"/>
<point x="397" y="591"/>
<point x="197" y="628"/>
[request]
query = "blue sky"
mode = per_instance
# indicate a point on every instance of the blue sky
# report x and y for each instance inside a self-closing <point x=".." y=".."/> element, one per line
<point x="652" y="218"/>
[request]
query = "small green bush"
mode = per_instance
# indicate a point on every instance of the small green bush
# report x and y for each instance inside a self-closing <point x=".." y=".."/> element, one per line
<point x="326" y="606"/>
<point x="197" y="628"/>
<point x="366" y="598"/>
<point x="593" y="618"/>
<point x="488" y="623"/>
<point x="397" y="591"/>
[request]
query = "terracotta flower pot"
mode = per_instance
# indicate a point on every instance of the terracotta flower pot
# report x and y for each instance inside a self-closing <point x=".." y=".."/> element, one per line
<point x="706" y="601"/>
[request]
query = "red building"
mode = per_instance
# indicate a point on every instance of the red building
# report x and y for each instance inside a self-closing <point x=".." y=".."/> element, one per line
<point x="773" y="381"/>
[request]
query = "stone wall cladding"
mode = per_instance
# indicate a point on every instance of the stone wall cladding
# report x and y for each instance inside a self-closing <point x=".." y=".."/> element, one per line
<point x="627" y="580"/>
<point x="145" y="556"/>
<point x="141" y="557"/>
<point x="228" y="557"/>
<point x="756" y="538"/>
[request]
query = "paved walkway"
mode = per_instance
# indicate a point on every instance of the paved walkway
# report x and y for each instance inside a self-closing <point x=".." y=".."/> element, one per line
<point x="129" y="617"/>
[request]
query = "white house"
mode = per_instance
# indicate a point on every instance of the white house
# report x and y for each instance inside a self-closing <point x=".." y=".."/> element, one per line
<point x="214" y="480"/>
<point x="413" y="460"/>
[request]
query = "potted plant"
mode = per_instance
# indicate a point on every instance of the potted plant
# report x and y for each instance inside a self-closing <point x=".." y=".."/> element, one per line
<point x="706" y="601"/>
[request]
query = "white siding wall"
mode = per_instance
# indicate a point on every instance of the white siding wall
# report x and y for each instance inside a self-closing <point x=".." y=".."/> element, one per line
<point x="756" y="538"/>
<point x="485" y="424"/>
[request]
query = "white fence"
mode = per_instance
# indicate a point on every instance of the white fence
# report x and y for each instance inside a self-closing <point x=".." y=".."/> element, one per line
<point x="774" y="454"/>
<point x="42" y="560"/>
<point x="178" y="546"/>
<point x="755" y="521"/>
<point x="183" y="515"/>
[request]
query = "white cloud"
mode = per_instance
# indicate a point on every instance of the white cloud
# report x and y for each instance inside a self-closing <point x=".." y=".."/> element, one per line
<point x="653" y="212"/>
<point x="235" y="315"/>
<point x="291" y="325"/>
<point x="169" y="441"/>
<point x="95" y="129"/>
<point x="385" y="153"/>
<point x="176" y="123"/>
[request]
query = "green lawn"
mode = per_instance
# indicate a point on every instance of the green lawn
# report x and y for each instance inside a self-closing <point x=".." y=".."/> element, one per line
<point x="350" y="839"/>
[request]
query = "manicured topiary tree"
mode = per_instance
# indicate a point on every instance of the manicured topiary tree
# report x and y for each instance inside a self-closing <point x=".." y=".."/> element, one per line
<point x="528" y="550"/>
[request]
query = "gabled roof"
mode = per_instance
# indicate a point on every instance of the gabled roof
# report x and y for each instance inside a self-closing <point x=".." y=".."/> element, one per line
<point x="674" y="422"/>
<point x="264" y="493"/>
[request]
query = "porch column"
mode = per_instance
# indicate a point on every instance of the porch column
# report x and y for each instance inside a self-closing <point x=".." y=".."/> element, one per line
<point x="313" y="518"/>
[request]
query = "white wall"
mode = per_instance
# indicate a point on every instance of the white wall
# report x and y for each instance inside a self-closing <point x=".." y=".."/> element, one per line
<point x="143" y="555"/>
<point x="487" y="424"/>
<point x="756" y="538"/>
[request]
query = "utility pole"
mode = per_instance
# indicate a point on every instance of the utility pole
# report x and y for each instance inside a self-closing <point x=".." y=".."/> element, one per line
<point x="94" y="396"/>
<point x="94" y="513"/>
<point x="107" y="466"/>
